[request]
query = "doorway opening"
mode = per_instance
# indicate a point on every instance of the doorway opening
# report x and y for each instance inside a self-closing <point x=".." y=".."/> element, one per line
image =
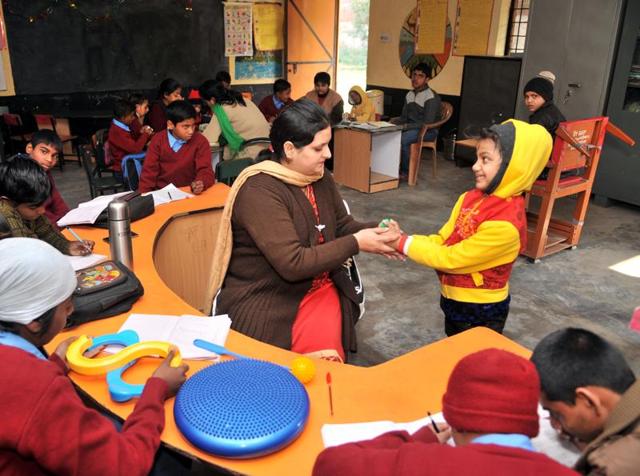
<point x="353" y="40"/>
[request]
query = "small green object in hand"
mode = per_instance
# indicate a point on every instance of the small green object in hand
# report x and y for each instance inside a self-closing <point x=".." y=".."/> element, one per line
<point x="384" y="223"/>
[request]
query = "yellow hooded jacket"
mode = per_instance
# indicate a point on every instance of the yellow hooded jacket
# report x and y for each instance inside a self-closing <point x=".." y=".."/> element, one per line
<point x="365" y="111"/>
<point x="474" y="251"/>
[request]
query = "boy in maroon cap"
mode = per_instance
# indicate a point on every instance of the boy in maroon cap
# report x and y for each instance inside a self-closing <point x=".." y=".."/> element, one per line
<point x="491" y="404"/>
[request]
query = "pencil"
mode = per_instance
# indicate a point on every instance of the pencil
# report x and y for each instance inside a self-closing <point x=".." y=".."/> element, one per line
<point x="433" y="423"/>
<point x="77" y="237"/>
<point x="330" y="394"/>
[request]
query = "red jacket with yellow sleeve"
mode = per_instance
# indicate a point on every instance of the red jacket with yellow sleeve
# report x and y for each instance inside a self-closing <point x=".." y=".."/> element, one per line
<point x="473" y="253"/>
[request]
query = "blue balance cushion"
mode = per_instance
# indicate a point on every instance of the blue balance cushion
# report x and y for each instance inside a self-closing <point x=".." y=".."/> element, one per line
<point x="242" y="408"/>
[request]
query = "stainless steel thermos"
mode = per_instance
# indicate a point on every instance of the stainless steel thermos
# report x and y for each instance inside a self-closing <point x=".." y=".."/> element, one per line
<point x="120" y="232"/>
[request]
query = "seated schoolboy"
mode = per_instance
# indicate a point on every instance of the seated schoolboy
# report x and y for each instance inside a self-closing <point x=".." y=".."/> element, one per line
<point x="271" y="106"/>
<point x="593" y="397"/>
<point x="170" y="90"/>
<point x="141" y="104"/>
<point x="538" y="97"/>
<point x="491" y="404"/>
<point x="329" y="100"/>
<point x="44" y="147"/>
<point x="475" y="250"/>
<point x="362" y="109"/>
<point x="24" y="190"/>
<point x="180" y="155"/>
<point x="422" y="106"/>
<point x="46" y="428"/>
<point x="121" y="138"/>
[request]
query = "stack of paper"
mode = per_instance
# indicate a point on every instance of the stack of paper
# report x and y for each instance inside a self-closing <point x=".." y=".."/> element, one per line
<point x="180" y="331"/>
<point x="168" y="194"/>
<point x="88" y="212"/>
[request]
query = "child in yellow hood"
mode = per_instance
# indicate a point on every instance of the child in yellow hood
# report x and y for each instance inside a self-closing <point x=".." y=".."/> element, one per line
<point x="473" y="253"/>
<point x="362" y="109"/>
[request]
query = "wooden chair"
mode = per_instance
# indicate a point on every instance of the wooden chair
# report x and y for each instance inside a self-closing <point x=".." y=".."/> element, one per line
<point x="577" y="147"/>
<point x="415" y="151"/>
<point x="15" y="131"/>
<point x="61" y="127"/>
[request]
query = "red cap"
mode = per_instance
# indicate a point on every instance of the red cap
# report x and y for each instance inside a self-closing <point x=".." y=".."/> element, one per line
<point x="493" y="391"/>
<point x="194" y="94"/>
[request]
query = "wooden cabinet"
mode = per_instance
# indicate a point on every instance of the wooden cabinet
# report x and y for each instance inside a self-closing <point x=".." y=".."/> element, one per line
<point x="367" y="160"/>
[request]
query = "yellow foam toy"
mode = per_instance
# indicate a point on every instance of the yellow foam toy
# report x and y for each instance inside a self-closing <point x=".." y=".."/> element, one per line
<point x="102" y="365"/>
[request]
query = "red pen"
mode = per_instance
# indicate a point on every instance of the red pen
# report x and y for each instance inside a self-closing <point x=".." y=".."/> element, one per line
<point x="330" y="394"/>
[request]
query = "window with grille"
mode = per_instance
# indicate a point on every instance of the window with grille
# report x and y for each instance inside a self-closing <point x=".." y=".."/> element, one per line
<point x="518" y="26"/>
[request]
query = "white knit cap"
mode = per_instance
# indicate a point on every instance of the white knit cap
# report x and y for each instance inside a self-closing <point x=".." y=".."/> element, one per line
<point x="547" y="75"/>
<point x="34" y="278"/>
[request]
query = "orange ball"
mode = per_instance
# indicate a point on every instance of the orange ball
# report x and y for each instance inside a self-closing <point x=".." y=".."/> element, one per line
<point x="303" y="368"/>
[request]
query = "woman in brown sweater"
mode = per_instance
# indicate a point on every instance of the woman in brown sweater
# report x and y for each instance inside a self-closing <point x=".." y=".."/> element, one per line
<point x="284" y="239"/>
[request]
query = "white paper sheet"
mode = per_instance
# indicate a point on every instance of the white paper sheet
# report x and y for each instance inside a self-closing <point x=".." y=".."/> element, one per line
<point x="81" y="262"/>
<point x="88" y="212"/>
<point x="180" y="331"/>
<point x="168" y="194"/>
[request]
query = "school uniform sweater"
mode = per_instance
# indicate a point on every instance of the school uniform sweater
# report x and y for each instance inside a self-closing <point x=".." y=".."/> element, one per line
<point x="163" y="166"/>
<point x="268" y="107"/>
<point x="275" y="257"/>
<point x="157" y="117"/>
<point x="122" y="142"/>
<point x="474" y="251"/>
<point x="46" y="429"/>
<point x="401" y="454"/>
<point x="55" y="207"/>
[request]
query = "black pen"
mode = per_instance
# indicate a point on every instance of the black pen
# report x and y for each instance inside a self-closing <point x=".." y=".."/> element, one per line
<point x="433" y="423"/>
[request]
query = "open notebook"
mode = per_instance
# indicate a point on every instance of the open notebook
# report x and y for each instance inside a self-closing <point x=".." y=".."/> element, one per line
<point x="180" y="331"/>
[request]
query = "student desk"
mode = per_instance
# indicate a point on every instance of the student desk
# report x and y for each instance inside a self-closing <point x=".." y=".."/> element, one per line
<point x="367" y="159"/>
<point x="176" y="239"/>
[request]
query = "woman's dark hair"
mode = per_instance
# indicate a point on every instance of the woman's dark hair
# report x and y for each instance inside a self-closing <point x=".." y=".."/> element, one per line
<point x="206" y="89"/>
<point x="570" y="358"/>
<point x="168" y="86"/>
<point x="298" y="123"/>
<point x="179" y="111"/>
<point x="223" y="76"/>
<point x="223" y="95"/>
<point x="22" y="180"/>
<point x="45" y="320"/>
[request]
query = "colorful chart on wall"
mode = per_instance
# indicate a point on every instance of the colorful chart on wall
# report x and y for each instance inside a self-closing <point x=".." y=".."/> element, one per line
<point x="408" y="56"/>
<point x="263" y="67"/>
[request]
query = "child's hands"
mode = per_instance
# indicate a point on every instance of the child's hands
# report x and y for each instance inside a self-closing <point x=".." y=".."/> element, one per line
<point x="146" y="130"/>
<point x="197" y="187"/>
<point x="81" y="248"/>
<point x="174" y="376"/>
<point x="445" y="432"/>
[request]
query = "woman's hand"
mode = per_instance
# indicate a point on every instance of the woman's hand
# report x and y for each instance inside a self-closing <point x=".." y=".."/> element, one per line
<point x="81" y="248"/>
<point x="376" y="240"/>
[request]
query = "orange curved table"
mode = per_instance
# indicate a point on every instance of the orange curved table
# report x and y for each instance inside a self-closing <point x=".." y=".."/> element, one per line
<point x="401" y="389"/>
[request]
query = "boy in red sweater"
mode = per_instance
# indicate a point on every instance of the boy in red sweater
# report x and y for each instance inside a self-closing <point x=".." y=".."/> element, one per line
<point x="491" y="404"/>
<point x="121" y="139"/>
<point x="44" y="148"/>
<point x="46" y="428"/>
<point x="180" y="155"/>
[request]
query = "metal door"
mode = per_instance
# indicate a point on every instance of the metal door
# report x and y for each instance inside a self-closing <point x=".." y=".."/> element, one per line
<point x="312" y="31"/>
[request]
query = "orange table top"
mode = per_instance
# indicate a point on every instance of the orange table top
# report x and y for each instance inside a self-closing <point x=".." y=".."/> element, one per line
<point x="401" y="389"/>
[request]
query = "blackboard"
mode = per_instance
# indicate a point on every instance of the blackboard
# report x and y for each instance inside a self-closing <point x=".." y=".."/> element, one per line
<point x="105" y="45"/>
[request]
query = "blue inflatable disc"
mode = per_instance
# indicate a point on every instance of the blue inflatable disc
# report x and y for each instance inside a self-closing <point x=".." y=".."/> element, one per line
<point x="242" y="408"/>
